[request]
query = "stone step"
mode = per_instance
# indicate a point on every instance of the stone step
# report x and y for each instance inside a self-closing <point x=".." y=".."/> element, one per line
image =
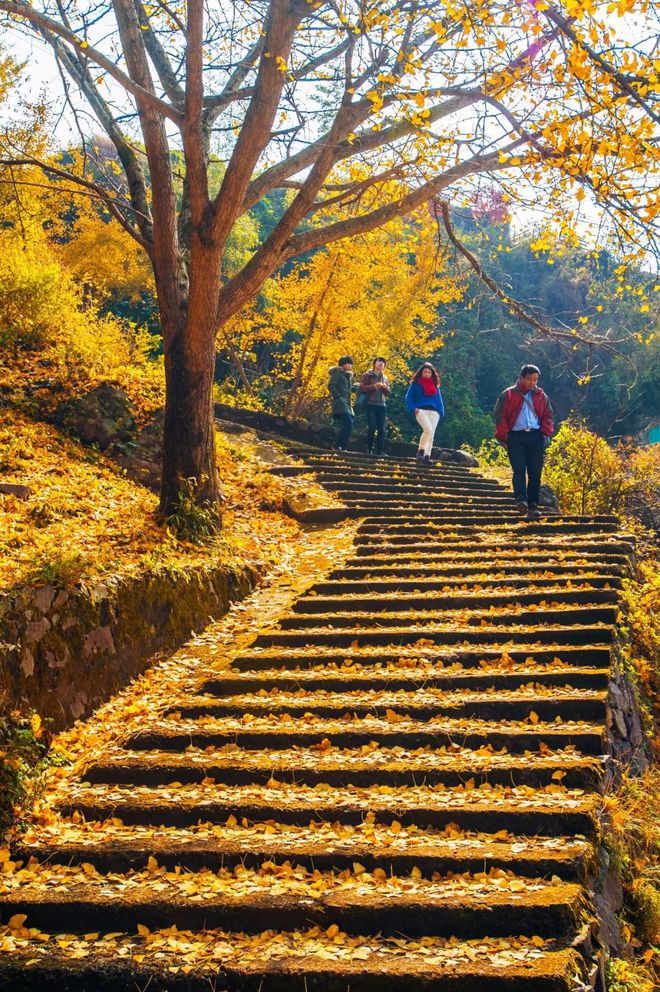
<point x="479" y="547"/>
<point x="397" y="600"/>
<point x="482" y="569"/>
<point x="469" y="658"/>
<point x="393" y="475"/>
<point x="419" y="479"/>
<point x="400" y="466"/>
<point x="406" y="676"/>
<point x="521" y="526"/>
<point x="397" y="730"/>
<point x="309" y="961"/>
<point x="572" y="580"/>
<point x="372" y="766"/>
<point x="419" y="704"/>
<point x="373" y="490"/>
<point x="391" y="847"/>
<point x="551" y="634"/>
<point x="410" y="491"/>
<point x="408" y="525"/>
<point x="507" y="614"/>
<point x="429" y="518"/>
<point x="552" y="811"/>
<point x="468" y="906"/>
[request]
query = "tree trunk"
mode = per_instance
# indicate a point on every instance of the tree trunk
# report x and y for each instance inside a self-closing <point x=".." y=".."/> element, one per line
<point x="188" y="434"/>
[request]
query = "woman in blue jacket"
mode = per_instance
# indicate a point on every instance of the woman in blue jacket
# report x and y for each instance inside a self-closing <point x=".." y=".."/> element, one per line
<point x="424" y="401"/>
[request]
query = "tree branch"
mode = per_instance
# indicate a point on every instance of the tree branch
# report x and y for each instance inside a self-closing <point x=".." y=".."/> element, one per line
<point x="564" y="26"/>
<point x="143" y="96"/>
<point x="516" y="306"/>
<point x="75" y="67"/>
<point x="272" y="254"/>
<point x="95" y="189"/>
<point x="159" y="57"/>
<point x="283" y="19"/>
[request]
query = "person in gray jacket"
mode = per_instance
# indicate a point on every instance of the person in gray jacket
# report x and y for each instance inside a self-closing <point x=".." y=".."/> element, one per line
<point x="341" y="389"/>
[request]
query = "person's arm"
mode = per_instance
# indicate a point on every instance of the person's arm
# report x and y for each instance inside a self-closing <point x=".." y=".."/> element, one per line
<point x="410" y="399"/>
<point x="501" y="427"/>
<point x="366" y="383"/>
<point x="547" y="420"/>
<point x="385" y="386"/>
<point x="441" y="404"/>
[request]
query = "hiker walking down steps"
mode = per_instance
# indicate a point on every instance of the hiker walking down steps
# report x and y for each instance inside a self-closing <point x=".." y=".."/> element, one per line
<point x="341" y="388"/>
<point x="375" y="388"/>
<point x="424" y="401"/>
<point x="523" y="423"/>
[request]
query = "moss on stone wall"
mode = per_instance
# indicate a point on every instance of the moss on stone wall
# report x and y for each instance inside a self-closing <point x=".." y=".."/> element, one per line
<point x="65" y="651"/>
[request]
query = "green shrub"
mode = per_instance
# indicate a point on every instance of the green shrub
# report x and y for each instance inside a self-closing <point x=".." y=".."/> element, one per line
<point x="59" y="569"/>
<point x="191" y="520"/>
<point x="23" y="749"/>
<point x="629" y="976"/>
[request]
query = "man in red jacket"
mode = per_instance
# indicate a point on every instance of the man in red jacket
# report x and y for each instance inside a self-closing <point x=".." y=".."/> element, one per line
<point x="523" y="419"/>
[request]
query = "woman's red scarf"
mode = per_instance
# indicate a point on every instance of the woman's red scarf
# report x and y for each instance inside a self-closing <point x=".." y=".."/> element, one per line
<point x="429" y="388"/>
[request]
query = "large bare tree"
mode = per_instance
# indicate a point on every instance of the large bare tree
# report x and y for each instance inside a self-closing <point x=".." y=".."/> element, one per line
<point x="362" y="110"/>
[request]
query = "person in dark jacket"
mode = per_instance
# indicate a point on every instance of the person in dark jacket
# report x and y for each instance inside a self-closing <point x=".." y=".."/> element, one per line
<point x="524" y="424"/>
<point x="375" y="386"/>
<point x="424" y="401"/>
<point x="341" y="388"/>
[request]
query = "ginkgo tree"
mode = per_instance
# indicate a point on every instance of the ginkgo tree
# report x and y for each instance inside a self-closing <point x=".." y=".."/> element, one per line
<point x="363" y="110"/>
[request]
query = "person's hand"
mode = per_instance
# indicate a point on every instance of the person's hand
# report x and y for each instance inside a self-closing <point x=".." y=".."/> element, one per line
<point x="416" y="410"/>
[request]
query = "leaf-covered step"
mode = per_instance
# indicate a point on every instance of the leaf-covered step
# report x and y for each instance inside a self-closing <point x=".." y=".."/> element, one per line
<point x="416" y="494"/>
<point x="422" y="653"/>
<point x="551" y="811"/>
<point x="520" y="528"/>
<point x="397" y="849"/>
<point x="419" y="704"/>
<point x="315" y="960"/>
<point x="436" y="514"/>
<point x="393" y="510"/>
<point x="543" y="631"/>
<point x="423" y="620"/>
<point x="393" y="847"/>
<point x="369" y="765"/>
<point x="414" y="523"/>
<point x="289" y="896"/>
<point x="280" y="731"/>
<point x="408" y="574"/>
<point x="499" y="582"/>
<point x="486" y="545"/>
<point x="479" y="599"/>
<point x="362" y="464"/>
<point x="368" y="483"/>
<point x="409" y="676"/>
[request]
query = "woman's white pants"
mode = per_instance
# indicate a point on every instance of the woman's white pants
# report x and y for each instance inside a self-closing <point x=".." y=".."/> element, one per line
<point x="428" y="421"/>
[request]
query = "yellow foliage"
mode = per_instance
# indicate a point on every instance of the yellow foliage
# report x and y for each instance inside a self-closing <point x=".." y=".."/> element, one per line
<point x="84" y="518"/>
<point x="100" y="253"/>
<point x="376" y="294"/>
<point x="44" y="323"/>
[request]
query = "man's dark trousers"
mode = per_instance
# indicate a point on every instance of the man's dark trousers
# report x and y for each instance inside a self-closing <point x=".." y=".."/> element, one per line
<point x="376" y="420"/>
<point x="525" y="450"/>
<point x="345" y="425"/>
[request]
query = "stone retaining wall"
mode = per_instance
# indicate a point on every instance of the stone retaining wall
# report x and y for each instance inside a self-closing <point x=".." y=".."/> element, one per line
<point x="65" y="651"/>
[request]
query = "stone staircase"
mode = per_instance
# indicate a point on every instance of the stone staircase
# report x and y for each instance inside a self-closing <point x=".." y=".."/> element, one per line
<point x="395" y="788"/>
